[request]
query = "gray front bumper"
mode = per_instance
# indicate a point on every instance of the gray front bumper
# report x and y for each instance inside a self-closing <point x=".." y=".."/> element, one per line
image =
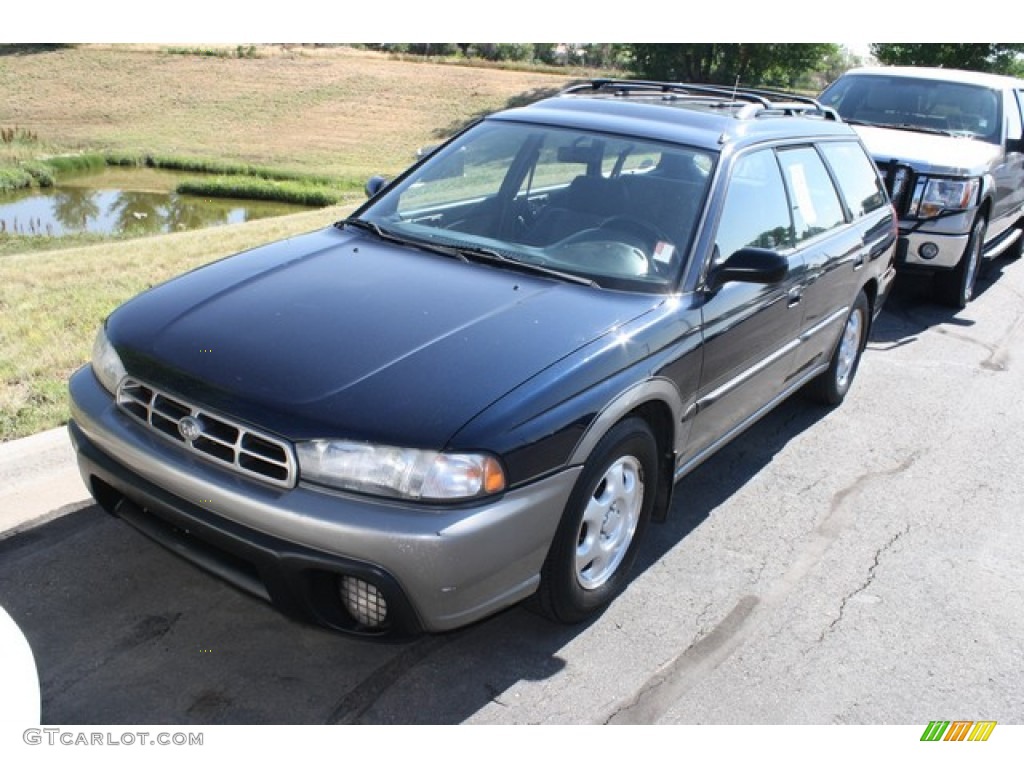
<point x="453" y="565"/>
<point x="950" y="234"/>
<point x="951" y="249"/>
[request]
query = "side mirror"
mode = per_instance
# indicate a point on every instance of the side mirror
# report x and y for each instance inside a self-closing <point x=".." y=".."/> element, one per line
<point x="375" y="184"/>
<point x="749" y="265"/>
<point x="1015" y="145"/>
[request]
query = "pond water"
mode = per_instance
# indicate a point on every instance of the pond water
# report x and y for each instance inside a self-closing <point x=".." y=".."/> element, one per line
<point x="124" y="201"/>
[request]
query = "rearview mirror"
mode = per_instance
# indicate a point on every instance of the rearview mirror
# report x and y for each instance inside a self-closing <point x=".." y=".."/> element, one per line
<point x="749" y="265"/>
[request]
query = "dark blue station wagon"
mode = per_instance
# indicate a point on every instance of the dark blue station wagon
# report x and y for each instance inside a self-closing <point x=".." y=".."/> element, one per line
<point x="483" y="385"/>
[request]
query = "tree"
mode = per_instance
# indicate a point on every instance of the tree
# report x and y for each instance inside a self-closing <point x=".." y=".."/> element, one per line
<point x="984" y="57"/>
<point x="779" y="64"/>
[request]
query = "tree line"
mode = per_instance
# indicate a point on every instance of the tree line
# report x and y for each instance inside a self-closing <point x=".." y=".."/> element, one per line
<point x="789" y="65"/>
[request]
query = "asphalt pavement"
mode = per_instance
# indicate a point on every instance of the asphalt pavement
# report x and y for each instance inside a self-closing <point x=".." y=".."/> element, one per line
<point x="851" y="566"/>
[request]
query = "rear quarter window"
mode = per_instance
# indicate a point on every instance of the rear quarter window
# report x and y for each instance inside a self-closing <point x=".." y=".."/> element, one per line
<point x="858" y="180"/>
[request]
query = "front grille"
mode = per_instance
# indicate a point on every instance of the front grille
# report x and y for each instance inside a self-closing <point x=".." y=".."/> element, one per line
<point x="899" y="180"/>
<point x="212" y="436"/>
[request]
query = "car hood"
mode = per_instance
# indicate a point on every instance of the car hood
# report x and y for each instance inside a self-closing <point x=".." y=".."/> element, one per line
<point x="338" y="334"/>
<point x="929" y="153"/>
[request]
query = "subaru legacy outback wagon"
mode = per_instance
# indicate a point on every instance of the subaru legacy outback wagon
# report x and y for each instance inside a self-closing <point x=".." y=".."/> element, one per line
<point x="483" y="384"/>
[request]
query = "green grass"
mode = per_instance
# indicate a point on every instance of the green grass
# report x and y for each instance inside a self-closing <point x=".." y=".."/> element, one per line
<point x="84" y="163"/>
<point x="234" y="180"/>
<point x="218" y="167"/>
<point x="270" y="118"/>
<point x="255" y="188"/>
<point x="14" y="178"/>
<point x="15" y="244"/>
<point x="52" y="302"/>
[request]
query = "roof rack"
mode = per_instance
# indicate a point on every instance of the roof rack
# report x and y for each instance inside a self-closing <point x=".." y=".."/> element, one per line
<point x="752" y="102"/>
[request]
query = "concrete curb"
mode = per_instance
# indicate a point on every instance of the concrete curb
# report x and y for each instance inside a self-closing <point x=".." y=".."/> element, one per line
<point x="39" y="481"/>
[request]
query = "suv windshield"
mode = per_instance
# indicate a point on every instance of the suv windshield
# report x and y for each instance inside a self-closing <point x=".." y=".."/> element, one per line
<point x="957" y="109"/>
<point x="617" y="211"/>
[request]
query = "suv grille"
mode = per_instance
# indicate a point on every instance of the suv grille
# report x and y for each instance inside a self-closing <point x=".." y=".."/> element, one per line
<point x="224" y="442"/>
<point x="899" y="180"/>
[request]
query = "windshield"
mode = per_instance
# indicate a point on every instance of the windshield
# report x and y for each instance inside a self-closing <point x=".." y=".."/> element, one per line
<point x="616" y="211"/>
<point x="932" y="106"/>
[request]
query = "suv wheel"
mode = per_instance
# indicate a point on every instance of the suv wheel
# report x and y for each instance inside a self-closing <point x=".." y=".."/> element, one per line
<point x="956" y="287"/>
<point x="597" y="539"/>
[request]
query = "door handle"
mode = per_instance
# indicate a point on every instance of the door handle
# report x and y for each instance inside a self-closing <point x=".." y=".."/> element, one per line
<point x="795" y="294"/>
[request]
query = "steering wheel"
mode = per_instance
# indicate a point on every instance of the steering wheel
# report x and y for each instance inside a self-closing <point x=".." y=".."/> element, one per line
<point x="641" y="234"/>
<point x="649" y="234"/>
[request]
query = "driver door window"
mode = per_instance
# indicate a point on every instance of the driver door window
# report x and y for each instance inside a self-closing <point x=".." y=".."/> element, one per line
<point x="756" y="211"/>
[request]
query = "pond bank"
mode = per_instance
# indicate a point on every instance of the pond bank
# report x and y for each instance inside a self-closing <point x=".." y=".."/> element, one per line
<point x="233" y="180"/>
<point x="125" y="201"/>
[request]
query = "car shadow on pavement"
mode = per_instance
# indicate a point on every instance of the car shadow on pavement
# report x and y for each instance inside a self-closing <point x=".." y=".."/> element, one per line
<point x="126" y="633"/>
<point x="910" y="309"/>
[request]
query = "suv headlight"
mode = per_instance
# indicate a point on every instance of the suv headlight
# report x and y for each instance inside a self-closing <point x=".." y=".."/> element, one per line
<point x="105" y="363"/>
<point x="938" y="195"/>
<point x="407" y="473"/>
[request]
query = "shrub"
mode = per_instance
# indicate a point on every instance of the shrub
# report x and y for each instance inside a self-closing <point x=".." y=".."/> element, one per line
<point x="256" y="188"/>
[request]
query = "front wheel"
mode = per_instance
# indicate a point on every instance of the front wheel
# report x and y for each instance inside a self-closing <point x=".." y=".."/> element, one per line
<point x="956" y="287"/>
<point x="831" y="386"/>
<point x="602" y="525"/>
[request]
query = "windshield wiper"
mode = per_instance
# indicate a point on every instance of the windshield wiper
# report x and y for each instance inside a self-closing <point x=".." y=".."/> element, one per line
<point x="370" y="226"/>
<point x="904" y="127"/>
<point x="921" y="129"/>
<point x="391" y="237"/>
<point x="465" y="252"/>
<point x="492" y="256"/>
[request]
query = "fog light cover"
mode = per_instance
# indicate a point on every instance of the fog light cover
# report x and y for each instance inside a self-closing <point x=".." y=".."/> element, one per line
<point x="928" y="251"/>
<point x="363" y="601"/>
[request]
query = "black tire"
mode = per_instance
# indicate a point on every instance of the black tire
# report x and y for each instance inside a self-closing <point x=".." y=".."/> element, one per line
<point x="831" y="387"/>
<point x="955" y="288"/>
<point x="597" y="539"/>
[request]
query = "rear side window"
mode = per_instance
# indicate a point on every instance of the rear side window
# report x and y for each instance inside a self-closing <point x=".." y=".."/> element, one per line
<point x="815" y="204"/>
<point x="858" y="181"/>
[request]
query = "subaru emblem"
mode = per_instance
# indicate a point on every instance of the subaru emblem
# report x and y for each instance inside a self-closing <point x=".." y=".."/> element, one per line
<point x="190" y="428"/>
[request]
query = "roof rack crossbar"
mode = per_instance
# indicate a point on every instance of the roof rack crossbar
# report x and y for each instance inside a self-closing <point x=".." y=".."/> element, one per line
<point x="756" y="100"/>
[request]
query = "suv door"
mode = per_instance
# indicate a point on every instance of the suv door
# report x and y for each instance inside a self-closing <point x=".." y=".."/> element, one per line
<point x="1008" y="173"/>
<point x="750" y="330"/>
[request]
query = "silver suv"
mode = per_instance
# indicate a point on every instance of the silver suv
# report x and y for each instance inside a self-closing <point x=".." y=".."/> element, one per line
<point x="950" y="145"/>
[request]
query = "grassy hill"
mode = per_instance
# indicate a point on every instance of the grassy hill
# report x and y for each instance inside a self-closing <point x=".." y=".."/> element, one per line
<point x="337" y="111"/>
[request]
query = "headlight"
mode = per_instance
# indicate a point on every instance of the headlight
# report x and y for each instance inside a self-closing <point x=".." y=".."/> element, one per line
<point x="399" y="472"/>
<point x="941" y="195"/>
<point x="105" y="363"/>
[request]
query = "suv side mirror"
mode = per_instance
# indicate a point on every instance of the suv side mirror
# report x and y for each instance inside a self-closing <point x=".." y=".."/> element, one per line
<point x="749" y="265"/>
<point x="1015" y="145"/>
